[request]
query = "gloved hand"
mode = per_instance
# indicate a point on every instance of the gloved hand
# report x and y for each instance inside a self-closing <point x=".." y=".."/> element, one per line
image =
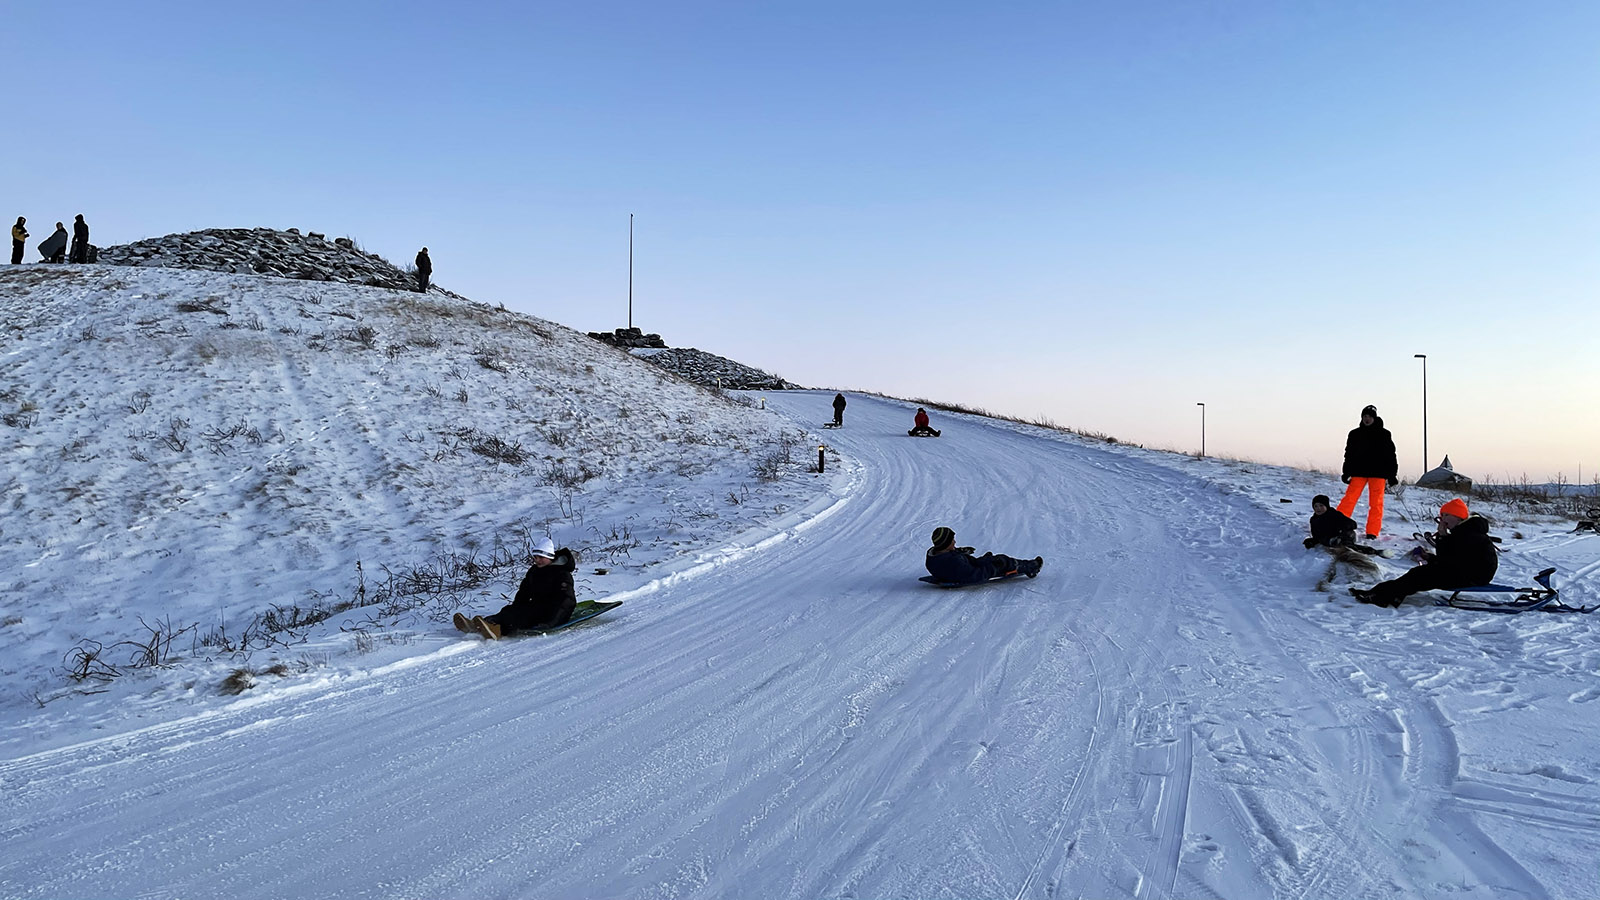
<point x="1345" y="478"/>
<point x="1420" y="555"/>
<point x="1310" y="542"/>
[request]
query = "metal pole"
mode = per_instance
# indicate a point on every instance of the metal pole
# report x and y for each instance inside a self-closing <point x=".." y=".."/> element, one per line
<point x="1424" y="358"/>
<point x="630" y="270"/>
<point x="1202" y="429"/>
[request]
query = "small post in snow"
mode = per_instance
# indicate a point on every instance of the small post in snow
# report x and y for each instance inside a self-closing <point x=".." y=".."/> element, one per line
<point x="822" y="459"/>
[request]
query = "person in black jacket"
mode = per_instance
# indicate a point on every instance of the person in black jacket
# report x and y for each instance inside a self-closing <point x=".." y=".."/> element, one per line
<point x="424" y="270"/>
<point x="959" y="565"/>
<point x="80" y="241"/>
<point x="1370" y="465"/>
<point x="1464" y="557"/>
<point x="545" y="598"/>
<point x="838" y="410"/>
<point x="54" y="248"/>
<point x="1331" y="528"/>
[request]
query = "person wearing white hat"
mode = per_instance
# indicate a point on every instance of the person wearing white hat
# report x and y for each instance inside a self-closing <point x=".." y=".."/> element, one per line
<point x="545" y="598"/>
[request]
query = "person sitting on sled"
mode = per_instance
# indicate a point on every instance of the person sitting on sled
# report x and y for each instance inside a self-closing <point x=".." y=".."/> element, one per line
<point x="1464" y="557"/>
<point x="922" y="426"/>
<point x="958" y="565"/>
<point x="545" y="598"/>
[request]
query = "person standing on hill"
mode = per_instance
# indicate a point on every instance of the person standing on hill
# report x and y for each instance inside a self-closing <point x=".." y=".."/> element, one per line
<point x="19" y="234"/>
<point x="1370" y="465"/>
<point x="424" y="270"/>
<point x="838" y="410"/>
<point x="54" y="248"/>
<point x="80" y="240"/>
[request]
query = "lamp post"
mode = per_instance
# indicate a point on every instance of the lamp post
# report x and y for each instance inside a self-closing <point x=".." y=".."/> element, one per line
<point x="1202" y="429"/>
<point x="630" y="270"/>
<point x="1424" y="358"/>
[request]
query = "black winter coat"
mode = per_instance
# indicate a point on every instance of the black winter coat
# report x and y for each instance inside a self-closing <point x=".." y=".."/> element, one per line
<point x="1369" y="452"/>
<point x="424" y="264"/>
<point x="960" y="566"/>
<point x="546" y="596"/>
<point x="1330" y="525"/>
<point x="1466" y="553"/>
<point x="838" y="402"/>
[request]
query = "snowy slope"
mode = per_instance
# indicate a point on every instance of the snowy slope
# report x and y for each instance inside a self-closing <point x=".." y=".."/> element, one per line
<point x="1170" y="710"/>
<point x="190" y="453"/>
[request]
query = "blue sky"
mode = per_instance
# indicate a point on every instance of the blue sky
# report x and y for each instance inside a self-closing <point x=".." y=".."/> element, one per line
<point x="1100" y="213"/>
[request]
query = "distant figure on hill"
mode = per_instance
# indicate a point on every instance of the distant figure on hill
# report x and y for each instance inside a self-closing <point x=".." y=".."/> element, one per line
<point x="54" y="248"/>
<point x="957" y="565"/>
<point x="545" y="598"/>
<point x="838" y="410"/>
<point x="80" y="240"/>
<point x="424" y="270"/>
<point x="1370" y="465"/>
<point x="19" y="234"/>
<point x="1464" y="557"/>
<point x="922" y="427"/>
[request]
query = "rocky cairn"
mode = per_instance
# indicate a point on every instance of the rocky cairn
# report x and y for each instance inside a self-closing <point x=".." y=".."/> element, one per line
<point x="264" y="251"/>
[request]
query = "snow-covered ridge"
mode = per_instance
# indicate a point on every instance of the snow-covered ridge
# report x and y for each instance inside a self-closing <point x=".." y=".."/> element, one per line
<point x="263" y="251"/>
<point x="188" y="452"/>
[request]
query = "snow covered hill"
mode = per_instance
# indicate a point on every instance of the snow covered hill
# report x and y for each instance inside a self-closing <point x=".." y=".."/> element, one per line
<point x="1179" y="706"/>
<point x="238" y="511"/>
<point x="221" y="473"/>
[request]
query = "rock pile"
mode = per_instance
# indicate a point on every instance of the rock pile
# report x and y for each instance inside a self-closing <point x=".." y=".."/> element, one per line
<point x="629" y="338"/>
<point x="263" y="251"/>
<point x="711" y="370"/>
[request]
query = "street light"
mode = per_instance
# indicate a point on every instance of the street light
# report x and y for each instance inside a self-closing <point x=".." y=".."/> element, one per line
<point x="630" y="270"/>
<point x="1424" y="358"/>
<point x="1202" y="429"/>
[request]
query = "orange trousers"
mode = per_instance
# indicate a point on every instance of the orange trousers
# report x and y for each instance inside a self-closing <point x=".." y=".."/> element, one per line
<point x="1374" y="488"/>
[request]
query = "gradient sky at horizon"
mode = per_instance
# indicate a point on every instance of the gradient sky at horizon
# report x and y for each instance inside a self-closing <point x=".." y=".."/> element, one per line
<point x="1097" y="213"/>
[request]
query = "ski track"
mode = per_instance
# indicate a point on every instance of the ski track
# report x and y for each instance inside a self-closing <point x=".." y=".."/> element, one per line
<point x="811" y="721"/>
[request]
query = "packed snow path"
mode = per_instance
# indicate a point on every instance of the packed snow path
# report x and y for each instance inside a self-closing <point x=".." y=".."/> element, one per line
<point x="1149" y="718"/>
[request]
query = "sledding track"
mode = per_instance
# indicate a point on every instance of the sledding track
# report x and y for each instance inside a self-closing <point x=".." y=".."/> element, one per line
<point x="810" y="721"/>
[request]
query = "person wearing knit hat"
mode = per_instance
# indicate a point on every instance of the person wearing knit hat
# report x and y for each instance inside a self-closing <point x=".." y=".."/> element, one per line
<point x="1464" y="556"/>
<point x="949" y="564"/>
<point x="1333" y="529"/>
<point x="545" y="598"/>
<point x="1370" y="465"/>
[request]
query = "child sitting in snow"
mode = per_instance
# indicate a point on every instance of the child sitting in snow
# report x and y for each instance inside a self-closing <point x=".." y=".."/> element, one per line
<point x="1332" y="528"/>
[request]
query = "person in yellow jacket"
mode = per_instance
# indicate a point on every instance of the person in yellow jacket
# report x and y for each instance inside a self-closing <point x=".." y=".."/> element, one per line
<point x="18" y="235"/>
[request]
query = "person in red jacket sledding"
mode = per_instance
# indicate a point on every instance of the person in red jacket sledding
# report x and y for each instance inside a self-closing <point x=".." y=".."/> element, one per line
<point x="922" y="428"/>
